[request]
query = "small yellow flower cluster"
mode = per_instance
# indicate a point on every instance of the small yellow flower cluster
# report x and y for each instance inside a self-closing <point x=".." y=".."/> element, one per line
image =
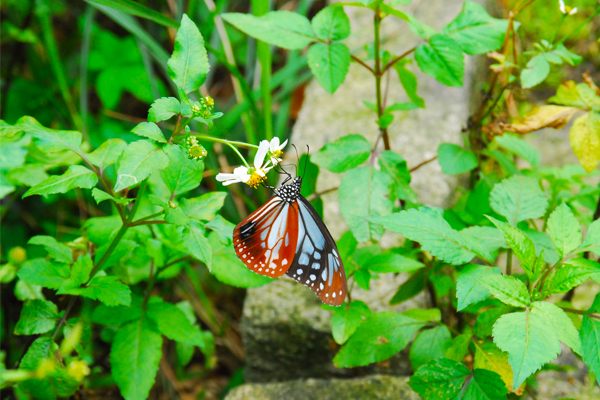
<point x="204" y="107"/>
<point x="195" y="150"/>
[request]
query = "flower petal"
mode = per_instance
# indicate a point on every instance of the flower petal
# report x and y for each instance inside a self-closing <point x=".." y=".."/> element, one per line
<point x="224" y="177"/>
<point x="283" y="145"/>
<point x="259" y="158"/>
<point x="274" y="145"/>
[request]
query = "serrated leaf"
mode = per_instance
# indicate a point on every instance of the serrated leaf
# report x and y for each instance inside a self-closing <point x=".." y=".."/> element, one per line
<point x="346" y="319"/>
<point x="368" y="200"/>
<point x="543" y="117"/>
<point x="134" y="357"/>
<point x="429" y="345"/>
<point x="585" y="140"/>
<point x="37" y="316"/>
<point x="409" y="82"/>
<point x="455" y="160"/>
<point x="80" y="273"/>
<point x="518" y="198"/>
<point x="137" y="162"/>
<point x="118" y="315"/>
<point x="331" y="23"/>
<point x="284" y="29"/>
<point x="475" y="30"/>
<point x="569" y="57"/>
<point x="507" y="289"/>
<point x="196" y="243"/>
<point x="182" y="174"/>
<point x="58" y="251"/>
<point x="51" y="140"/>
<point x="564" y="230"/>
<point x="26" y="291"/>
<point x="529" y="339"/>
<point x="428" y="227"/>
<point x="567" y="94"/>
<point x="563" y="326"/>
<point x="489" y="356"/>
<point x="100" y="196"/>
<point x="536" y="72"/>
<point x="343" y="154"/>
<point x="165" y="107"/>
<point x="329" y="63"/>
<point x="107" y="289"/>
<point x="521" y="148"/>
<point x="491" y="238"/>
<point x="521" y="244"/>
<point x="459" y="347"/>
<point x="205" y="207"/>
<point x="149" y="130"/>
<point x="573" y="273"/>
<point x="222" y="228"/>
<point x="378" y="338"/>
<point x="44" y="273"/>
<point x="392" y="262"/>
<point x="188" y="66"/>
<point x="173" y="323"/>
<point x="485" y="385"/>
<point x="439" y="379"/>
<point x="468" y="289"/>
<point x="442" y="58"/>
<point x="590" y="341"/>
<point x="76" y="176"/>
<point x="108" y="153"/>
<point x="592" y="239"/>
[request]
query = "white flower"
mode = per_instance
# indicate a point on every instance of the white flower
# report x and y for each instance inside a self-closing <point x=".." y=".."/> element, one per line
<point x="275" y="150"/>
<point x="240" y="174"/>
<point x="565" y="9"/>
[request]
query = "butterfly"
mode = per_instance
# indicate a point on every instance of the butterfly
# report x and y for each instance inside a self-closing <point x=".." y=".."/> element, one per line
<point x="287" y="236"/>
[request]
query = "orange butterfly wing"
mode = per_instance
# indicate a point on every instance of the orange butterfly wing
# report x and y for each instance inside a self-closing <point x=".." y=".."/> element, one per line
<point x="266" y="240"/>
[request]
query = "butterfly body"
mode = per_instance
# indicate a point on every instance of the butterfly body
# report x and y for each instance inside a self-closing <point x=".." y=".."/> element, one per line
<point x="287" y="236"/>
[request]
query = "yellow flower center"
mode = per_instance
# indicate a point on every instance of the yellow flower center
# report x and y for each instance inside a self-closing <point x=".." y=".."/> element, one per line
<point x="255" y="180"/>
<point x="197" y="151"/>
<point x="277" y="154"/>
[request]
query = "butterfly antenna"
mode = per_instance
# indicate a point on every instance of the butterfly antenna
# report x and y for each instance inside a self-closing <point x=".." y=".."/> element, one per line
<point x="297" y="157"/>
<point x="305" y="162"/>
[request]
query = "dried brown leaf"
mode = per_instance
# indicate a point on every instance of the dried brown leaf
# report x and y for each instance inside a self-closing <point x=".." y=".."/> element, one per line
<point x="543" y="117"/>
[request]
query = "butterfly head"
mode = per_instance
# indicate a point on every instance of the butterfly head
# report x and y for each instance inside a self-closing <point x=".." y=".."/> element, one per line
<point x="290" y="192"/>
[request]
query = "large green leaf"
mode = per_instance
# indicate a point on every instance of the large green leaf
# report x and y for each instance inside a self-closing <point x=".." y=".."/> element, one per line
<point x="343" y="154"/>
<point x="485" y="385"/>
<point x="442" y="58"/>
<point x="518" y="198"/>
<point x="521" y="148"/>
<point x="365" y="192"/>
<point x="44" y="273"/>
<point x="468" y="289"/>
<point x="329" y="63"/>
<point x="58" y="251"/>
<point x="205" y="207"/>
<point x="475" y="30"/>
<point x="346" y="319"/>
<point x="505" y="288"/>
<point x="149" y="130"/>
<point x="331" y="23"/>
<point x="285" y="29"/>
<point x="439" y="379"/>
<point x="590" y="341"/>
<point x="391" y="262"/>
<point x="165" y="107"/>
<point x="563" y="325"/>
<point x="137" y="162"/>
<point x="108" y="153"/>
<point x="51" y="140"/>
<point x="536" y="72"/>
<point x="378" y="338"/>
<point x="134" y="8"/>
<point x="173" y="323"/>
<point x="529" y="338"/>
<point x="134" y="356"/>
<point x="409" y="82"/>
<point x="37" y="316"/>
<point x="196" y="243"/>
<point x="107" y="289"/>
<point x="183" y="174"/>
<point x="592" y="239"/>
<point x="76" y="176"/>
<point x="455" y="160"/>
<point x="564" y="230"/>
<point x="188" y="65"/>
<point x="521" y="244"/>
<point x="573" y="273"/>
<point x="429" y="345"/>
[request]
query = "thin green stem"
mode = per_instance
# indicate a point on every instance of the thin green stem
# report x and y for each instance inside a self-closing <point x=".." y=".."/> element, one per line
<point x="83" y="67"/>
<point x="574" y="31"/>
<point x="230" y="144"/>
<point x="562" y="19"/>
<point x="259" y="8"/>
<point x="150" y="285"/>
<point x="137" y="221"/>
<point x="378" y="74"/>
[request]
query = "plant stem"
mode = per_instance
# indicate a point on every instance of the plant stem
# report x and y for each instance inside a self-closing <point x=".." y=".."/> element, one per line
<point x="416" y="167"/>
<point x="228" y="143"/>
<point x="396" y="59"/>
<point x="579" y="27"/>
<point x="509" y="262"/>
<point x="83" y="75"/>
<point x="364" y="64"/>
<point x="259" y="8"/>
<point x="378" y="74"/>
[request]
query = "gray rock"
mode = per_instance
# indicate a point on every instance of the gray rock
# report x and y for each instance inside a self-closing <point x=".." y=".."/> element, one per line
<point x="375" y="387"/>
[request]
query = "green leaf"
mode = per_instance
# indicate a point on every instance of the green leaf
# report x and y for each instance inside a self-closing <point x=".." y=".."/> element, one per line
<point x="378" y="338"/>
<point x="227" y="267"/>
<point x="507" y="289"/>
<point x="442" y="58"/>
<point x="521" y="148"/>
<point x="475" y="30"/>
<point x="430" y="314"/>
<point x="44" y="273"/>
<point x="100" y="196"/>
<point x="564" y="230"/>
<point x="165" y="107"/>
<point x="429" y="345"/>
<point x="573" y="273"/>
<point x="107" y="289"/>
<point x="80" y="273"/>
<point x="521" y="245"/>
<point x="395" y="167"/>
<point x="76" y="176"/>
<point x="485" y="385"/>
<point x="585" y="140"/>
<point x="592" y="239"/>
<point x="563" y="325"/>
<point x="329" y="64"/>
<point x="331" y="23"/>
<point x="455" y="160"/>
<point x="459" y="347"/>
<point x="530" y="340"/>
<point x="392" y="262"/>
<point x="569" y="57"/>
<point x="188" y="66"/>
<point x="149" y="130"/>
<point x="536" y="72"/>
<point x="488" y="356"/>
<point x="58" y="251"/>
<point x="196" y="243"/>
<point x="50" y="140"/>
<point x="108" y="153"/>
<point x="222" y="228"/>
<point x="134" y="8"/>
<point x="173" y="323"/>
<point x="570" y="94"/>
<point x="491" y="237"/>
<point x="137" y="162"/>
<point x="590" y="341"/>
<point x="118" y="315"/>
<point x="37" y="316"/>
<point x="423" y="30"/>
<point x="285" y="29"/>
<point x="343" y="154"/>
<point x="428" y="227"/>
<point x="26" y="291"/>
<point x="543" y="243"/>
<point x="134" y="357"/>
<point x="468" y="289"/>
<point x="409" y="82"/>
<point x="183" y="174"/>
<point x="205" y="207"/>
<point x="27" y="175"/>
<point x="439" y="379"/>
<point x="346" y="319"/>
<point x="518" y="198"/>
<point x="370" y="198"/>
